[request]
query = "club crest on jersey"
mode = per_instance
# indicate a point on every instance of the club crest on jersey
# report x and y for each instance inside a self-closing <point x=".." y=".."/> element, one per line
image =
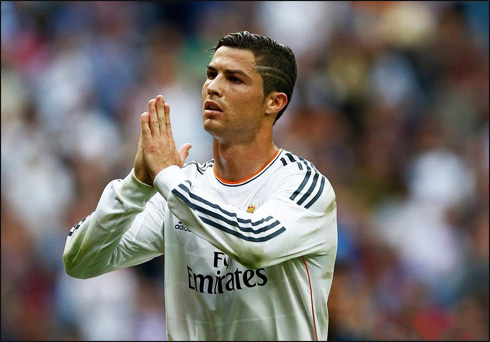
<point x="251" y="208"/>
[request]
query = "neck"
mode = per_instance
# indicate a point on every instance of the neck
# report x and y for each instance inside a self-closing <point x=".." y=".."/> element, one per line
<point x="237" y="162"/>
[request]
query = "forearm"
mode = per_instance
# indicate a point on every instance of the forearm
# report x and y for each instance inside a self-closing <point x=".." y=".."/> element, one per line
<point x="93" y="247"/>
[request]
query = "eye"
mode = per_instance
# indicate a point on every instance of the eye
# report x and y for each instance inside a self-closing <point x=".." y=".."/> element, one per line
<point x="211" y="75"/>
<point x="235" y="79"/>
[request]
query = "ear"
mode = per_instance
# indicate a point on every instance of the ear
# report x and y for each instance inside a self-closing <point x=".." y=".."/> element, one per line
<point x="275" y="102"/>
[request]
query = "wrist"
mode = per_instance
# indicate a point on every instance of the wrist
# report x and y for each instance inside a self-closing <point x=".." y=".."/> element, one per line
<point x="137" y="191"/>
<point x="143" y="177"/>
<point x="168" y="179"/>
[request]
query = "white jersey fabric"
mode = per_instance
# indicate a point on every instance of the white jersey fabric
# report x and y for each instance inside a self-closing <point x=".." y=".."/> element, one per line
<point x="249" y="260"/>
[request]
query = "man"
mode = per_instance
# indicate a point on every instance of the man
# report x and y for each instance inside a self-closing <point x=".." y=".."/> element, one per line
<point x="250" y="237"/>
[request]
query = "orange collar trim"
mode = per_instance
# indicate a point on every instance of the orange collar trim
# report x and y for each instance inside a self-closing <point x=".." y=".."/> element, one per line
<point x="249" y="178"/>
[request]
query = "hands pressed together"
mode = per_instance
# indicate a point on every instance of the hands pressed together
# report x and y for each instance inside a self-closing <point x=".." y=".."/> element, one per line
<point x="156" y="148"/>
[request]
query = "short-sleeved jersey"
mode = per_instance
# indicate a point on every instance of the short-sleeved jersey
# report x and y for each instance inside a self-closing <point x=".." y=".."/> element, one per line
<point x="249" y="260"/>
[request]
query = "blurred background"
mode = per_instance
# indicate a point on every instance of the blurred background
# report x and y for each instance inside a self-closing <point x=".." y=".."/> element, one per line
<point x="391" y="104"/>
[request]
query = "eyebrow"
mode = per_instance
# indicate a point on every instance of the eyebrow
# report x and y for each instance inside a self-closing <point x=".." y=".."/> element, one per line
<point x="230" y="71"/>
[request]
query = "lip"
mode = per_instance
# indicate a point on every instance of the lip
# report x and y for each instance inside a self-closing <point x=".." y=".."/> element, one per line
<point x="208" y="112"/>
<point x="214" y="104"/>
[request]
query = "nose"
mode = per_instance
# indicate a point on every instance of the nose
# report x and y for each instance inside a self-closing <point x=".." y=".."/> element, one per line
<point x="214" y="87"/>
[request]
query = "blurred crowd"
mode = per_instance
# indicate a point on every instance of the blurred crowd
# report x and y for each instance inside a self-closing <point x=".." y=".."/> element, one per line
<point x="391" y="104"/>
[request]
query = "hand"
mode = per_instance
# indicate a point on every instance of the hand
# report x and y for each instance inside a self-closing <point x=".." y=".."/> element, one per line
<point x="157" y="143"/>
<point x="140" y="170"/>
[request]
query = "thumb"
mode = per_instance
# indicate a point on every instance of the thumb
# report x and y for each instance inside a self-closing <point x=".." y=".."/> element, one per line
<point x="184" y="152"/>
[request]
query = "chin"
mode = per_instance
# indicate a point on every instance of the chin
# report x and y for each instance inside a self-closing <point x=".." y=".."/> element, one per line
<point x="210" y="126"/>
<point x="213" y="128"/>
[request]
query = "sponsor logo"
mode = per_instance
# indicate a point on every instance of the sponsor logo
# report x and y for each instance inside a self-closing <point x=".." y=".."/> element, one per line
<point x="229" y="281"/>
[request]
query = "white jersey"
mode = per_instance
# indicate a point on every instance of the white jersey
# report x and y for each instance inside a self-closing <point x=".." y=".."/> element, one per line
<point x="249" y="260"/>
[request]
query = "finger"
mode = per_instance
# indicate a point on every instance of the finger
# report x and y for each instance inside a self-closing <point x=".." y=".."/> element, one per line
<point x="184" y="152"/>
<point x="160" y="103"/>
<point x="145" y="126"/>
<point x="140" y="142"/>
<point x="154" y="123"/>
<point x="168" y="126"/>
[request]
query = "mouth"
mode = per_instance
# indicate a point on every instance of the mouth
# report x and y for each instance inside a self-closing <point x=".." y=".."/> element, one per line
<point x="211" y="107"/>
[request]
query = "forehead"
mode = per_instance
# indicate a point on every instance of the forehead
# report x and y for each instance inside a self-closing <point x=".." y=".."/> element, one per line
<point x="235" y="59"/>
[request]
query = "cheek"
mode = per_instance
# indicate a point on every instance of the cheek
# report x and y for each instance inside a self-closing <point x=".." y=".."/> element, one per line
<point x="254" y="103"/>
<point x="204" y="91"/>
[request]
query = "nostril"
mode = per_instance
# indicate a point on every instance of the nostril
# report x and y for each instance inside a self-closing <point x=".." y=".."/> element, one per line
<point x="212" y="91"/>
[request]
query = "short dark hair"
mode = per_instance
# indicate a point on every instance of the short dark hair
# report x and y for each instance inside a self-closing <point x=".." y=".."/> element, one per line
<point x="276" y="62"/>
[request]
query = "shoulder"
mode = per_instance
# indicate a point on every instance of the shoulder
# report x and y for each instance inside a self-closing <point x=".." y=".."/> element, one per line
<point x="302" y="182"/>
<point x="293" y="166"/>
<point x="292" y="162"/>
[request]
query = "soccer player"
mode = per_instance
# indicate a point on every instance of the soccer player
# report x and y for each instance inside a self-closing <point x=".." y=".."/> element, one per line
<point x="249" y="237"/>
